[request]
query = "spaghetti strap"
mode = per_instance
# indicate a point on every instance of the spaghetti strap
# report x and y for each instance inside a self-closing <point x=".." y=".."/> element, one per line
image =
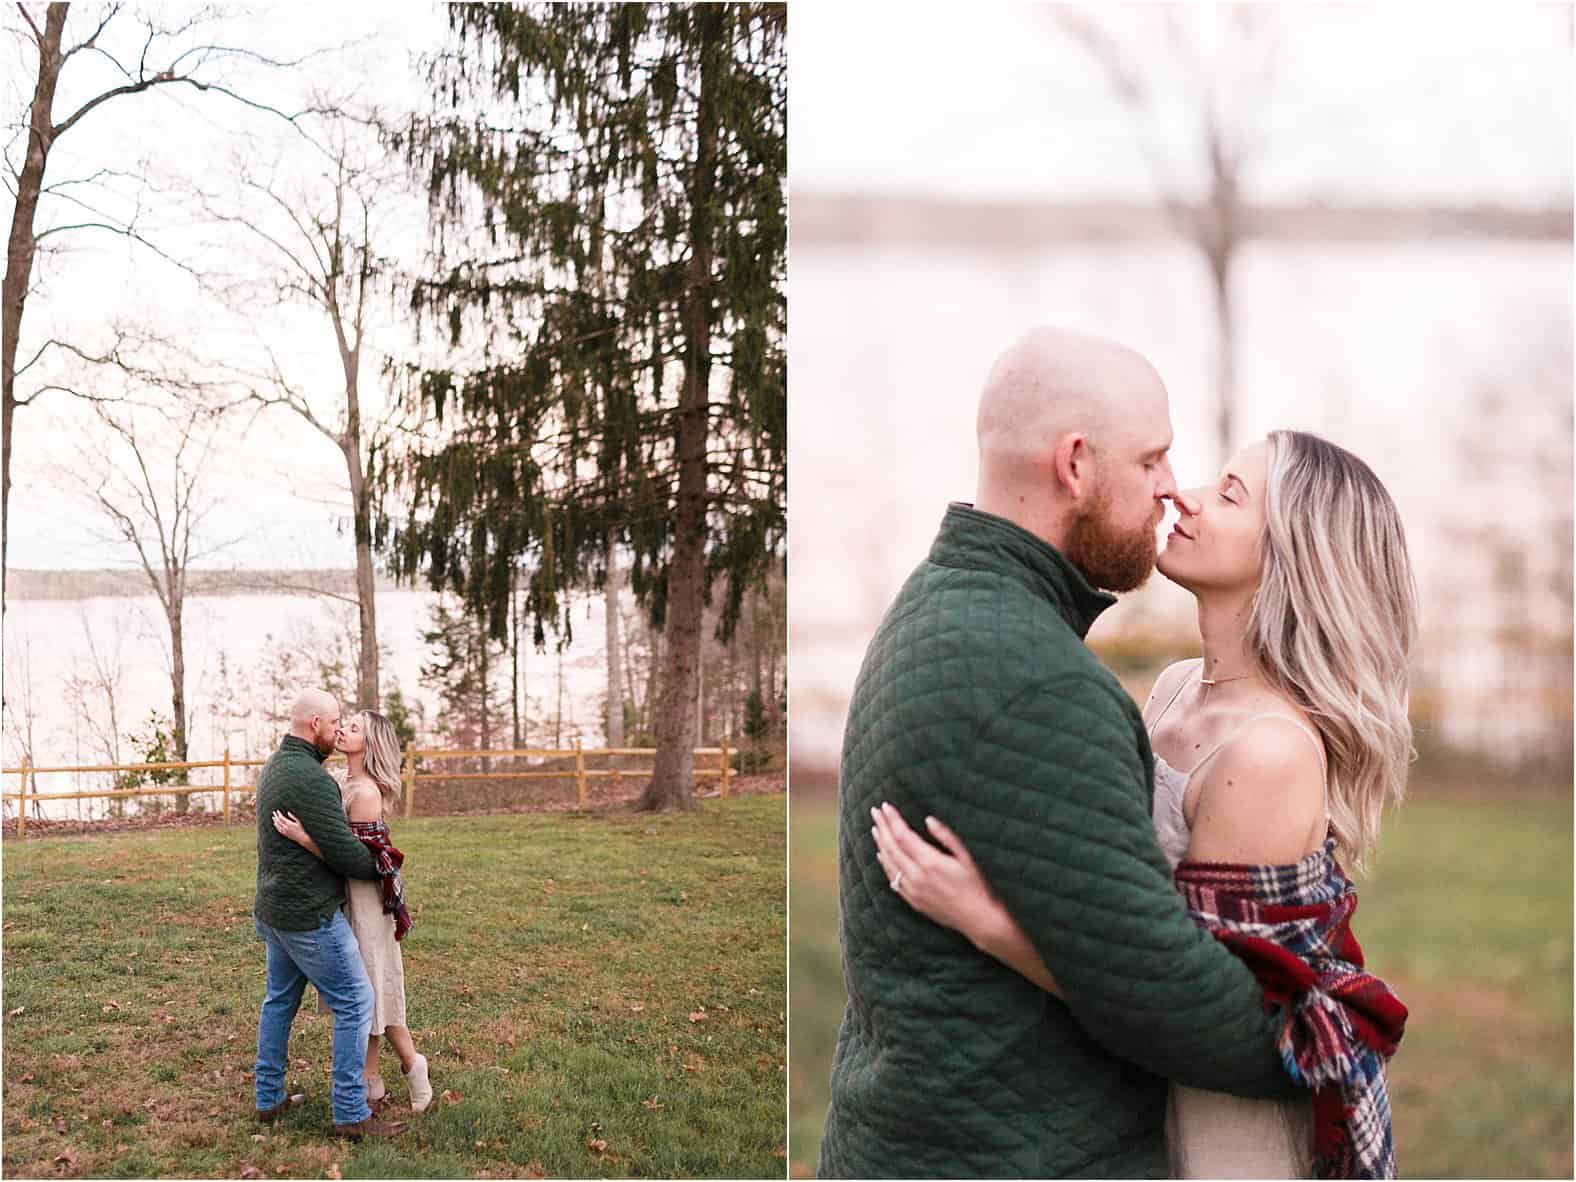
<point x="1318" y="744"/>
<point x="1182" y="684"/>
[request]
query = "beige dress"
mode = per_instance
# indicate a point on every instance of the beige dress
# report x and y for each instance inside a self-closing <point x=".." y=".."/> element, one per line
<point x="374" y="929"/>
<point x="1215" y="1134"/>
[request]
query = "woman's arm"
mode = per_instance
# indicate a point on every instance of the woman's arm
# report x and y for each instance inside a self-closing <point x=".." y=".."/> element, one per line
<point x="290" y="826"/>
<point x="949" y="889"/>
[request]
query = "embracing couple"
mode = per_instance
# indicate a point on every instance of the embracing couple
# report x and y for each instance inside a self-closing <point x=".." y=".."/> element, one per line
<point x="330" y="908"/>
<point x="1082" y="940"/>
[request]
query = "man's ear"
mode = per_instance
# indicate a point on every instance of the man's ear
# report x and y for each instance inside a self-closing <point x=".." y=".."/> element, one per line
<point x="1073" y="462"/>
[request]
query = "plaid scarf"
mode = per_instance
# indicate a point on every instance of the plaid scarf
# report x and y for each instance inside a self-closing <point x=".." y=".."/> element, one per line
<point x="1291" y="924"/>
<point x="375" y="836"/>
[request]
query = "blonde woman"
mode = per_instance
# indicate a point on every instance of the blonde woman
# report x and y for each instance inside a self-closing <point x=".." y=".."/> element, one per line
<point x="1274" y="754"/>
<point x="376" y="909"/>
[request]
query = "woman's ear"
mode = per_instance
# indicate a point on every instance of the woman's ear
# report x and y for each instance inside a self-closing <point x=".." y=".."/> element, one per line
<point x="1073" y="464"/>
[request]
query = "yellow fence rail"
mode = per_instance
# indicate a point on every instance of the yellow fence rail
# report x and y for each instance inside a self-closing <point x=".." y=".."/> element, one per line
<point x="580" y="773"/>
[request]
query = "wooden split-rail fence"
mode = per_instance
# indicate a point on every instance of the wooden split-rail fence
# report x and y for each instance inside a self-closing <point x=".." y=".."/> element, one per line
<point x="410" y="777"/>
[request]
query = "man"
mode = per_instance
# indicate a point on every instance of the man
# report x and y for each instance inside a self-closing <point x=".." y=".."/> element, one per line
<point x="297" y="914"/>
<point x="979" y="702"/>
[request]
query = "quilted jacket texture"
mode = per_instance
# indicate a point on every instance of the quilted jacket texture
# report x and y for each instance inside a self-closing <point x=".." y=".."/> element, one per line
<point x="978" y="702"/>
<point x="296" y="888"/>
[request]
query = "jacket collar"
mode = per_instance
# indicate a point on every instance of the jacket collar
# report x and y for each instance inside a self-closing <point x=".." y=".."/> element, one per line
<point x="296" y="743"/>
<point x="969" y="537"/>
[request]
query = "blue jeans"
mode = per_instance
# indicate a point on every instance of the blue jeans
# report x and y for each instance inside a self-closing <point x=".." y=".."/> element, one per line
<point x="329" y="958"/>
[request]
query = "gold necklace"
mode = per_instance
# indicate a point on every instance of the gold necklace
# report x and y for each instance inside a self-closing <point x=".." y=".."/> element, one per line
<point x="1222" y="680"/>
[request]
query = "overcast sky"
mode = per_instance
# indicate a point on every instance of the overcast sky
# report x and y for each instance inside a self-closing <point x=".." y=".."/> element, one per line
<point x="1369" y="101"/>
<point x="279" y="488"/>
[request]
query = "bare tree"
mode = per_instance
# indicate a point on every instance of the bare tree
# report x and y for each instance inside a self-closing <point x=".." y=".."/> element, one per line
<point x="1221" y="65"/>
<point x="93" y="691"/>
<point x="159" y="56"/>
<point x="320" y="245"/>
<point x="145" y="476"/>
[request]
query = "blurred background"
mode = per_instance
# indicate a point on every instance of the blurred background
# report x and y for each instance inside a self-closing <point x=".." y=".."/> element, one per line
<point x="1350" y="220"/>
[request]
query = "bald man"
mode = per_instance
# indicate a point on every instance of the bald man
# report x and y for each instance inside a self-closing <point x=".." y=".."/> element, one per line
<point x="297" y="914"/>
<point x="979" y="703"/>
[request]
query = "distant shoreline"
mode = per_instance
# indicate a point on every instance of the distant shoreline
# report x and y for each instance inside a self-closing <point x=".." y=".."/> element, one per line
<point x="133" y="584"/>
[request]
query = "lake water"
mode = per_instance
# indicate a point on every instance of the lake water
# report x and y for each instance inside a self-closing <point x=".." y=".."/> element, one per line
<point x="47" y="643"/>
<point x="1386" y="349"/>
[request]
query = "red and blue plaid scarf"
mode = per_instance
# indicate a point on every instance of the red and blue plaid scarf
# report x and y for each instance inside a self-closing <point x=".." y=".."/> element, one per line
<point x="1292" y="925"/>
<point x="375" y="836"/>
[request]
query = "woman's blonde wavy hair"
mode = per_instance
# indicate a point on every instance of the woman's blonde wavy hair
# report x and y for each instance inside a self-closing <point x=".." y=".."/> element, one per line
<point x="384" y="761"/>
<point x="1333" y="621"/>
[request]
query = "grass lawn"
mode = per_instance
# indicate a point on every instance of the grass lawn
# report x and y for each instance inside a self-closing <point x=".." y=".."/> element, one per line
<point x="598" y="994"/>
<point x="1467" y="916"/>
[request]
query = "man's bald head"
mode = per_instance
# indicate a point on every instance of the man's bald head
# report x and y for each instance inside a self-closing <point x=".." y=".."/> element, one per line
<point x="1053" y="382"/>
<point x="314" y="716"/>
<point x="1073" y="432"/>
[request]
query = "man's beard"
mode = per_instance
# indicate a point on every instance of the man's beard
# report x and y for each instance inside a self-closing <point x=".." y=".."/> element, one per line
<point x="1110" y="559"/>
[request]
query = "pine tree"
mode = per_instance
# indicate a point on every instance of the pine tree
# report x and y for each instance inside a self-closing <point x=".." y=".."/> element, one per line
<point x="626" y="288"/>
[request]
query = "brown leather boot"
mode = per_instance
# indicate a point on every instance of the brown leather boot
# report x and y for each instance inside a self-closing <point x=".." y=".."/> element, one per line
<point x="268" y="1116"/>
<point x="371" y="1127"/>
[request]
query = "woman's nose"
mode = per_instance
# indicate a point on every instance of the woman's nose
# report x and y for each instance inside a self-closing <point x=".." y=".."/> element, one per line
<point x="1189" y="501"/>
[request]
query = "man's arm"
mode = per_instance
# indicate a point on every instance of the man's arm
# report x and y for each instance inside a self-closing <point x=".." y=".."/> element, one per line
<point x="1057" y="820"/>
<point x="322" y="815"/>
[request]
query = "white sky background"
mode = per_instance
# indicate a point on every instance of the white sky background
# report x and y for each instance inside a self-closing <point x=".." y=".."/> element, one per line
<point x="1391" y="103"/>
<point x="280" y="490"/>
<point x="1436" y="103"/>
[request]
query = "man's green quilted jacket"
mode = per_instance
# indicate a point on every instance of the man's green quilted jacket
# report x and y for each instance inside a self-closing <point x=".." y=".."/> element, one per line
<point x="979" y="703"/>
<point x="295" y="888"/>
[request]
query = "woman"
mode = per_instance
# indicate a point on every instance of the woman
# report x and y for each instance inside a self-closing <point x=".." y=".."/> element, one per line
<point x="1277" y="749"/>
<point x="376" y="909"/>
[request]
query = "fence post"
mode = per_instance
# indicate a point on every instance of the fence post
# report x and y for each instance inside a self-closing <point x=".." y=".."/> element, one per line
<point x="21" y="811"/>
<point x="725" y="769"/>
<point x="580" y="772"/>
<point x="227" y="784"/>
<point x="410" y="781"/>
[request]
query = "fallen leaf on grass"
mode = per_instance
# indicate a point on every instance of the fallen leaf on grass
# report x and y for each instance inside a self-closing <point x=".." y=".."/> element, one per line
<point x="636" y="1008"/>
<point x="28" y="1078"/>
<point x="258" y="1137"/>
<point x="698" y="1016"/>
<point x="24" y="1124"/>
<point x="333" y="1171"/>
<point x="111" y="1007"/>
<point x="248" y="1170"/>
<point x="449" y="1097"/>
<point x="597" y="1145"/>
<point x="68" y="1158"/>
<point x="652" y="1104"/>
<point x="18" y="1010"/>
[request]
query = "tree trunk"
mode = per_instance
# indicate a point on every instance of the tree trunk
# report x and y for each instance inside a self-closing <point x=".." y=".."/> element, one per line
<point x="367" y="695"/>
<point x="20" y="249"/>
<point x="514" y="658"/>
<point x="615" y="654"/>
<point x="1225" y="357"/>
<point x="486" y="704"/>
<point x="178" y="686"/>
<point x="676" y="722"/>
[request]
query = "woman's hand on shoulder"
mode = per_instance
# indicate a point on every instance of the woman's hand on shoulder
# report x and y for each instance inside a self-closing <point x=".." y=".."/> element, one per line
<point x="1260" y="799"/>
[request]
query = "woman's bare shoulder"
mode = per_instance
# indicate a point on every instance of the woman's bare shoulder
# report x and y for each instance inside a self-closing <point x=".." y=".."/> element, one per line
<point x="363" y="801"/>
<point x="1261" y="797"/>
